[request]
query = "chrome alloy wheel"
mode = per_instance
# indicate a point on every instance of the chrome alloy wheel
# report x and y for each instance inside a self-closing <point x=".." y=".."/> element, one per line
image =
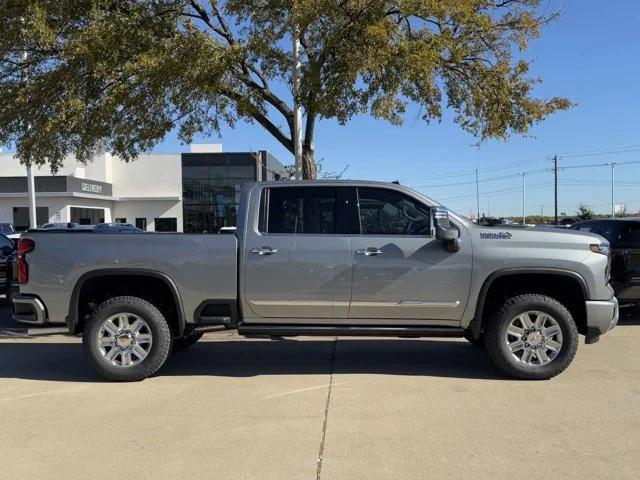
<point x="534" y="338"/>
<point x="124" y="340"/>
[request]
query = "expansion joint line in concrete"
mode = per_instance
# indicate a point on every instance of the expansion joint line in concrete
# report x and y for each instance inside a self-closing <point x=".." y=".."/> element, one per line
<point x="326" y="408"/>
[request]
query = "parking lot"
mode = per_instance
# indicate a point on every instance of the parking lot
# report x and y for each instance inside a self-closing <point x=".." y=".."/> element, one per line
<point x="318" y="408"/>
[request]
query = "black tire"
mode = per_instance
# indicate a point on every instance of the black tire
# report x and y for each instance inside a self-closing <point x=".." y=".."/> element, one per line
<point x="183" y="343"/>
<point x="499" y="352"/>
<point x="476" y="342"/>
<point x="159" y="330"/>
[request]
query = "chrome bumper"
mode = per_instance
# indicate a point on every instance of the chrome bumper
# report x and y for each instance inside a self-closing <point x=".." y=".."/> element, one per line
<point x="29" y="310"/>
<point x="602" y="315"/>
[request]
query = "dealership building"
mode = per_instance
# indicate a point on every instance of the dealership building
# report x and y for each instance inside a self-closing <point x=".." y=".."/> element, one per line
<point x="189" y="192"/>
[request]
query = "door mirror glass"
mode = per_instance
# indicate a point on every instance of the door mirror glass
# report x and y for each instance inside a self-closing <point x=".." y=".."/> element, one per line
<point x="445" y="230"/>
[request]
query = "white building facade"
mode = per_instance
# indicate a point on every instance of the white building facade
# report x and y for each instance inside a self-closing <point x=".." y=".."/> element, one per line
<point x="147" y="192"/>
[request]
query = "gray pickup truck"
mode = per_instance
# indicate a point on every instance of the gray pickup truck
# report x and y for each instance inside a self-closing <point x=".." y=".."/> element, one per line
<point x="323" y="258"/>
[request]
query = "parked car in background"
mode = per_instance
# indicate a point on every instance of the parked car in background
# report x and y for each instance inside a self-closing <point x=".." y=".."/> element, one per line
<point x="100" y="228"/>
<point x="59" y="225"/>
<point x="565" y="222"/>
<point x="7" y="254"/>
<point x="116" y="228"/>
<point x="492" y="222"/>
<point x="624" y="236"/>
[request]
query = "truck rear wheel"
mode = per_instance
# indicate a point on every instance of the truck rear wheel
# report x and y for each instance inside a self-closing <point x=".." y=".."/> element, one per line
<point x="532" y="337"/>
<point x="127" y="339"/>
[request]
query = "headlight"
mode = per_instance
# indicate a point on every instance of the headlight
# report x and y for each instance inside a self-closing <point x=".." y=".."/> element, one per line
<point x="603" y="249"/>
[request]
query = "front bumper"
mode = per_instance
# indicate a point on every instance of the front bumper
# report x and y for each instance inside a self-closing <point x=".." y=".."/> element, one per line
<point x="602" y="316"/>
<point x="27" y="309"/>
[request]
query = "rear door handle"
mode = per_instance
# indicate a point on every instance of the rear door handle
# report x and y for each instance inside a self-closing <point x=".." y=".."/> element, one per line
<point x="369" y="251"/>
<point x="264" y="250"/>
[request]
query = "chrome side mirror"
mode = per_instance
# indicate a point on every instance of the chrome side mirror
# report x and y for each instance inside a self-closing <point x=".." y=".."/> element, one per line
<point x="445" y="230"/>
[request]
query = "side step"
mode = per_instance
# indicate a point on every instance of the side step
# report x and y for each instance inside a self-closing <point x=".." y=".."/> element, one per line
<point x="354" y="331"/>
<point x="45" y="331"/>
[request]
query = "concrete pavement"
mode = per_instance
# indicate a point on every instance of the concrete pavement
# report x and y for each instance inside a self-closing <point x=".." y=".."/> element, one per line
<point x="370" y="408"/>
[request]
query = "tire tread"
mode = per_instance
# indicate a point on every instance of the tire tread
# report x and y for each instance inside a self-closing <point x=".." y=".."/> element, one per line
<point x="154" y="361"/>
<point x="492" y="339"/>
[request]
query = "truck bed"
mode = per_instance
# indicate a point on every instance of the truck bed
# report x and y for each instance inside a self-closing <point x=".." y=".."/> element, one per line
<point x="203" y="267"/>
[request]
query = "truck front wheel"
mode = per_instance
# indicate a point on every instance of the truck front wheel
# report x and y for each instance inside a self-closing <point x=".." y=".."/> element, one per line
<point x="532" y="337"/>
<point x="127" y="339"/>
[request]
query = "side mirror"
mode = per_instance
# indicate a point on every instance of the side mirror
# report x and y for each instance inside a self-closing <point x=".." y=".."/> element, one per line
<point x="445" y="230"/>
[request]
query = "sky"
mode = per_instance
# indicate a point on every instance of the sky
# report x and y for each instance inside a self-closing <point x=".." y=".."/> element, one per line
<point x="591" y="55"/>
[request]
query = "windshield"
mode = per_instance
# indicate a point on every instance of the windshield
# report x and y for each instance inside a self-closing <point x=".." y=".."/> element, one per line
<point x="7" y="228"/>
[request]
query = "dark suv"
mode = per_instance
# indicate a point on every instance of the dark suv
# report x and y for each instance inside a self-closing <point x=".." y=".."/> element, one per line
<point x="7" y="252"/>
<point x="624" y="236"/>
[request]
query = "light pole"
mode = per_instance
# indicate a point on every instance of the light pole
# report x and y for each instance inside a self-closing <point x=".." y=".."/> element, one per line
<point x="31" y="189"/>
<point x="477" y="195"/>
<point x="613" y="205"/>
<point x="297" y="115"/>
<point x="524" y="198"/>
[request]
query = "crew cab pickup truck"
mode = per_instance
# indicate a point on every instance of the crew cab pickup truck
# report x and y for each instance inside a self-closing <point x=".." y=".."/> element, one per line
<point x="323" y="258"/>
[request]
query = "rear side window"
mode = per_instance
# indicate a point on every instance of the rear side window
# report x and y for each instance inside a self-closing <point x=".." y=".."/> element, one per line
<point x="388" y="212"/>
<point x="630" y="235"/>
<point x="301" y="210"/>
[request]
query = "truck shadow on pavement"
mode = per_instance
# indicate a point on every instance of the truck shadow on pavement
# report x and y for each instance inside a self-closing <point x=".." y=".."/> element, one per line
<point x="46" y="360"/>
<point x="248" y="358"/>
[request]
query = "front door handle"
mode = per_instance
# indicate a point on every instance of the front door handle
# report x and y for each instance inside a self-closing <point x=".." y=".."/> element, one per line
<point x="369" y="251"/>
<point x="264" y="250"/>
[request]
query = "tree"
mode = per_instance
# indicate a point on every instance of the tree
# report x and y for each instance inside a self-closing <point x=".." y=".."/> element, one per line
<point x="584" y="212"/>
<point x="119" y="75"/>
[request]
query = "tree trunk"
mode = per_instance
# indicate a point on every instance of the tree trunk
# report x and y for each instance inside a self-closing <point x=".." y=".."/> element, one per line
<point x="309" y="166"/>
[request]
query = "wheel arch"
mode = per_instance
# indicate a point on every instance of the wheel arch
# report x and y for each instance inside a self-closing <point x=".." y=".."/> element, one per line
<point x="73" y="319"/>
<point x="518" y="273"/>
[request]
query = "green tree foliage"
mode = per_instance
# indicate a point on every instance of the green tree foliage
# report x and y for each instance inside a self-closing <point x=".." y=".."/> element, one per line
<point x="83" y="76"/>
<point x="584" y="212"/>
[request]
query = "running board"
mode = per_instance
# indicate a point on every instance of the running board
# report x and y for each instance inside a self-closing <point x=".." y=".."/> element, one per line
<point x="45" y="331"/>
<point x="344" y="331"/>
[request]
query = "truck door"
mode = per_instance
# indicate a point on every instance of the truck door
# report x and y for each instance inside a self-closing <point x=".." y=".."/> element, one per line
<point x="400" y="271"/>
<point x="297" y="259"/>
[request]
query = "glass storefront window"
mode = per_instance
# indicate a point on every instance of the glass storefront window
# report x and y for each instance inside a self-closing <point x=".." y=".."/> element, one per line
<point x="211" y="186"/>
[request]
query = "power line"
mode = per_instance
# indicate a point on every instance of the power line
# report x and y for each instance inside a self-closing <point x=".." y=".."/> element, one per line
<point x="497" y="192"/>
<point x="540" y="159"/>
<point x="531" y="172"/>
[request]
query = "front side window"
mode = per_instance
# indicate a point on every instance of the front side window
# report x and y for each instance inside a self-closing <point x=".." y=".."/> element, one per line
<point x="387" y="212"/>
<point x="630" y="235"/>
<point x="301" y="210"/>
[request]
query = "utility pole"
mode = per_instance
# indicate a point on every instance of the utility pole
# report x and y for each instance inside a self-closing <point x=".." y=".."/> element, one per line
<point x="613" y="205"/>
<point x="297" y="115"/>
<point x="477" y="194"/>
<point x="31" y="189"/>
<point x="555" y="185"/>
<point x="542" y="213"/>
<point x="524" y="198"/>
<point x="488" y="206"/>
